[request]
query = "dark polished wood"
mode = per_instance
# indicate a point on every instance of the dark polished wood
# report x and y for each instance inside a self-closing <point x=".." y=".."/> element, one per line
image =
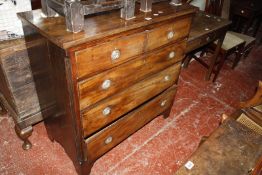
<point x="101" y="26"/>
<point x="129" y="98"/>
<point x="98" y="92"/>
<point x="36" y="4"/>
<point x="244" y="13"/>
<point x="127" y="74"/>
<point x="99" y="143"/>
<point x="98" y="58"/>
<point x="205" y="30"/>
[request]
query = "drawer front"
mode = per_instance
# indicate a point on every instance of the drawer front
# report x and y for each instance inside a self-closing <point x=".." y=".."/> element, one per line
<point x="168" y="33"/>
<point x="112" y="108"/>
<point x="203" y="40"/>
<point x="112" y="135"/>
<point x="193" y="44"/>
<point x="109" y="82"/>
<point x="241" y="12"/>
<point x="107" y="55"/>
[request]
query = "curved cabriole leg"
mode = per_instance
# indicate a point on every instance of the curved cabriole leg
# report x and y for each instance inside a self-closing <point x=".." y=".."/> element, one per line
<point x="24" y="134"/>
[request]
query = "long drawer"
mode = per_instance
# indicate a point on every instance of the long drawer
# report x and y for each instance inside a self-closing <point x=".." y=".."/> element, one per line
<point x="109" y="137"/>
<point x="109" y="82"/>
<point x="109" y="54"/>
<point x="114" y="107"/>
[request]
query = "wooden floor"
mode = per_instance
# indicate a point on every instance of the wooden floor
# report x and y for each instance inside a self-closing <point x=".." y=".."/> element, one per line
<point x="162" y="146"/>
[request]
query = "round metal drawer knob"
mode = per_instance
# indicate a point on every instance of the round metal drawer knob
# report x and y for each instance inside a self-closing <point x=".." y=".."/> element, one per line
<point x="106" y="84"/>
<point x="108" y="140"/>
<point x="242" y="11"/>
<point x="172" y="54"/>
<point x="106" y="111"/>
<point x="115" y="54"/>
<point x="167" y="78"/>
<point x="170" y="35"/>
<point x="163" y="103"/>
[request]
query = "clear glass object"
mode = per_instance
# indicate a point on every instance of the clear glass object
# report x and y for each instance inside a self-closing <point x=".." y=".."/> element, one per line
<point x="176" y="2"/>
<point x="74" y="16"/>
<point x="146" y="5"/>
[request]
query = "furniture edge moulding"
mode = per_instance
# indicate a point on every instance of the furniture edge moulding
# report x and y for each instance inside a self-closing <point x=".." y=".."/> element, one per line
<point x="66" y="119"/>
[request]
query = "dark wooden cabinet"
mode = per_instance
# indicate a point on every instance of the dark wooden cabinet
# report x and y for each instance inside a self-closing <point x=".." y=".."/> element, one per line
<point x="111" y="79"/>
<point x="244" y="13"/>
<point x="18" y="95"/>
<point x="36" y="4"/>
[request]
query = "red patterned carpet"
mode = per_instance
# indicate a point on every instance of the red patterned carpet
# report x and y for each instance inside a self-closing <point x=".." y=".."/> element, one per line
<point x="162" y="146"/>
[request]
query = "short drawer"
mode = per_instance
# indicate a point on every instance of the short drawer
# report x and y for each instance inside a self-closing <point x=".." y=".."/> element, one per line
<point x="168" y="33"/>
<point x="111" y="81"/>
<point x="112" y="135"/>
<point x="241" y="12"/>
<point x="107" y="55"/>
<point x="193" y="44"/>
<point x="208" y="38"/>
<point x="114" y="107"/>
<point x="196" y="43"/>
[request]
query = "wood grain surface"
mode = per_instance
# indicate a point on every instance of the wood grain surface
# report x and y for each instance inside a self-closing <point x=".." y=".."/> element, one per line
<point x="97" y="58"/>
<point x="125" y="75"/>
<point x="101" y="26"/>
<point x="128" y="124"/>
<point x="123" y="102"/>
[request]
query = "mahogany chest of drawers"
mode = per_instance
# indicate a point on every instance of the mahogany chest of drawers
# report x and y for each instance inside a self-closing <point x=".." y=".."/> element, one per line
<point x="111" y="79"/>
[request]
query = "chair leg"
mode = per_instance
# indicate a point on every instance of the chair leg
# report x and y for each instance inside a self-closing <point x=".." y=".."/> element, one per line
<point x="203" y="52"/>
<point x="187" y="61"/>
<point x="257" y="25"/>
<point x="214" y="57"/>
<point x="248" y="49"/>
<point x="238" y="56"/>
<point x="219" y="66"/>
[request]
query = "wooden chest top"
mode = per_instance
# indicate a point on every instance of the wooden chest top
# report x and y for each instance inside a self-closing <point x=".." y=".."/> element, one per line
<point x="101" y="26"/>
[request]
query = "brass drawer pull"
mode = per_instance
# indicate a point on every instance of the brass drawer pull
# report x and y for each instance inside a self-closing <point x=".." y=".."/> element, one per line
<point x="163" y="103"/>
<point x="106" y="111"/>
<point x="172" y="54"/>
<point x="115" y="54"/>
<point x="106" y="84"/>
<point x="242" y="11"/>
<point x="108" y="140"/>
<point x="170" y="35"/>
<point x="167" y="78"/>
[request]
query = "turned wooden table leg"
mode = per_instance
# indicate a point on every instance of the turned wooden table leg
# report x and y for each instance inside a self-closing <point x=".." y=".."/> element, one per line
<point x="215" y="56"/>
<point x="187" y="61"/>
<point x="24" y="134"/>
